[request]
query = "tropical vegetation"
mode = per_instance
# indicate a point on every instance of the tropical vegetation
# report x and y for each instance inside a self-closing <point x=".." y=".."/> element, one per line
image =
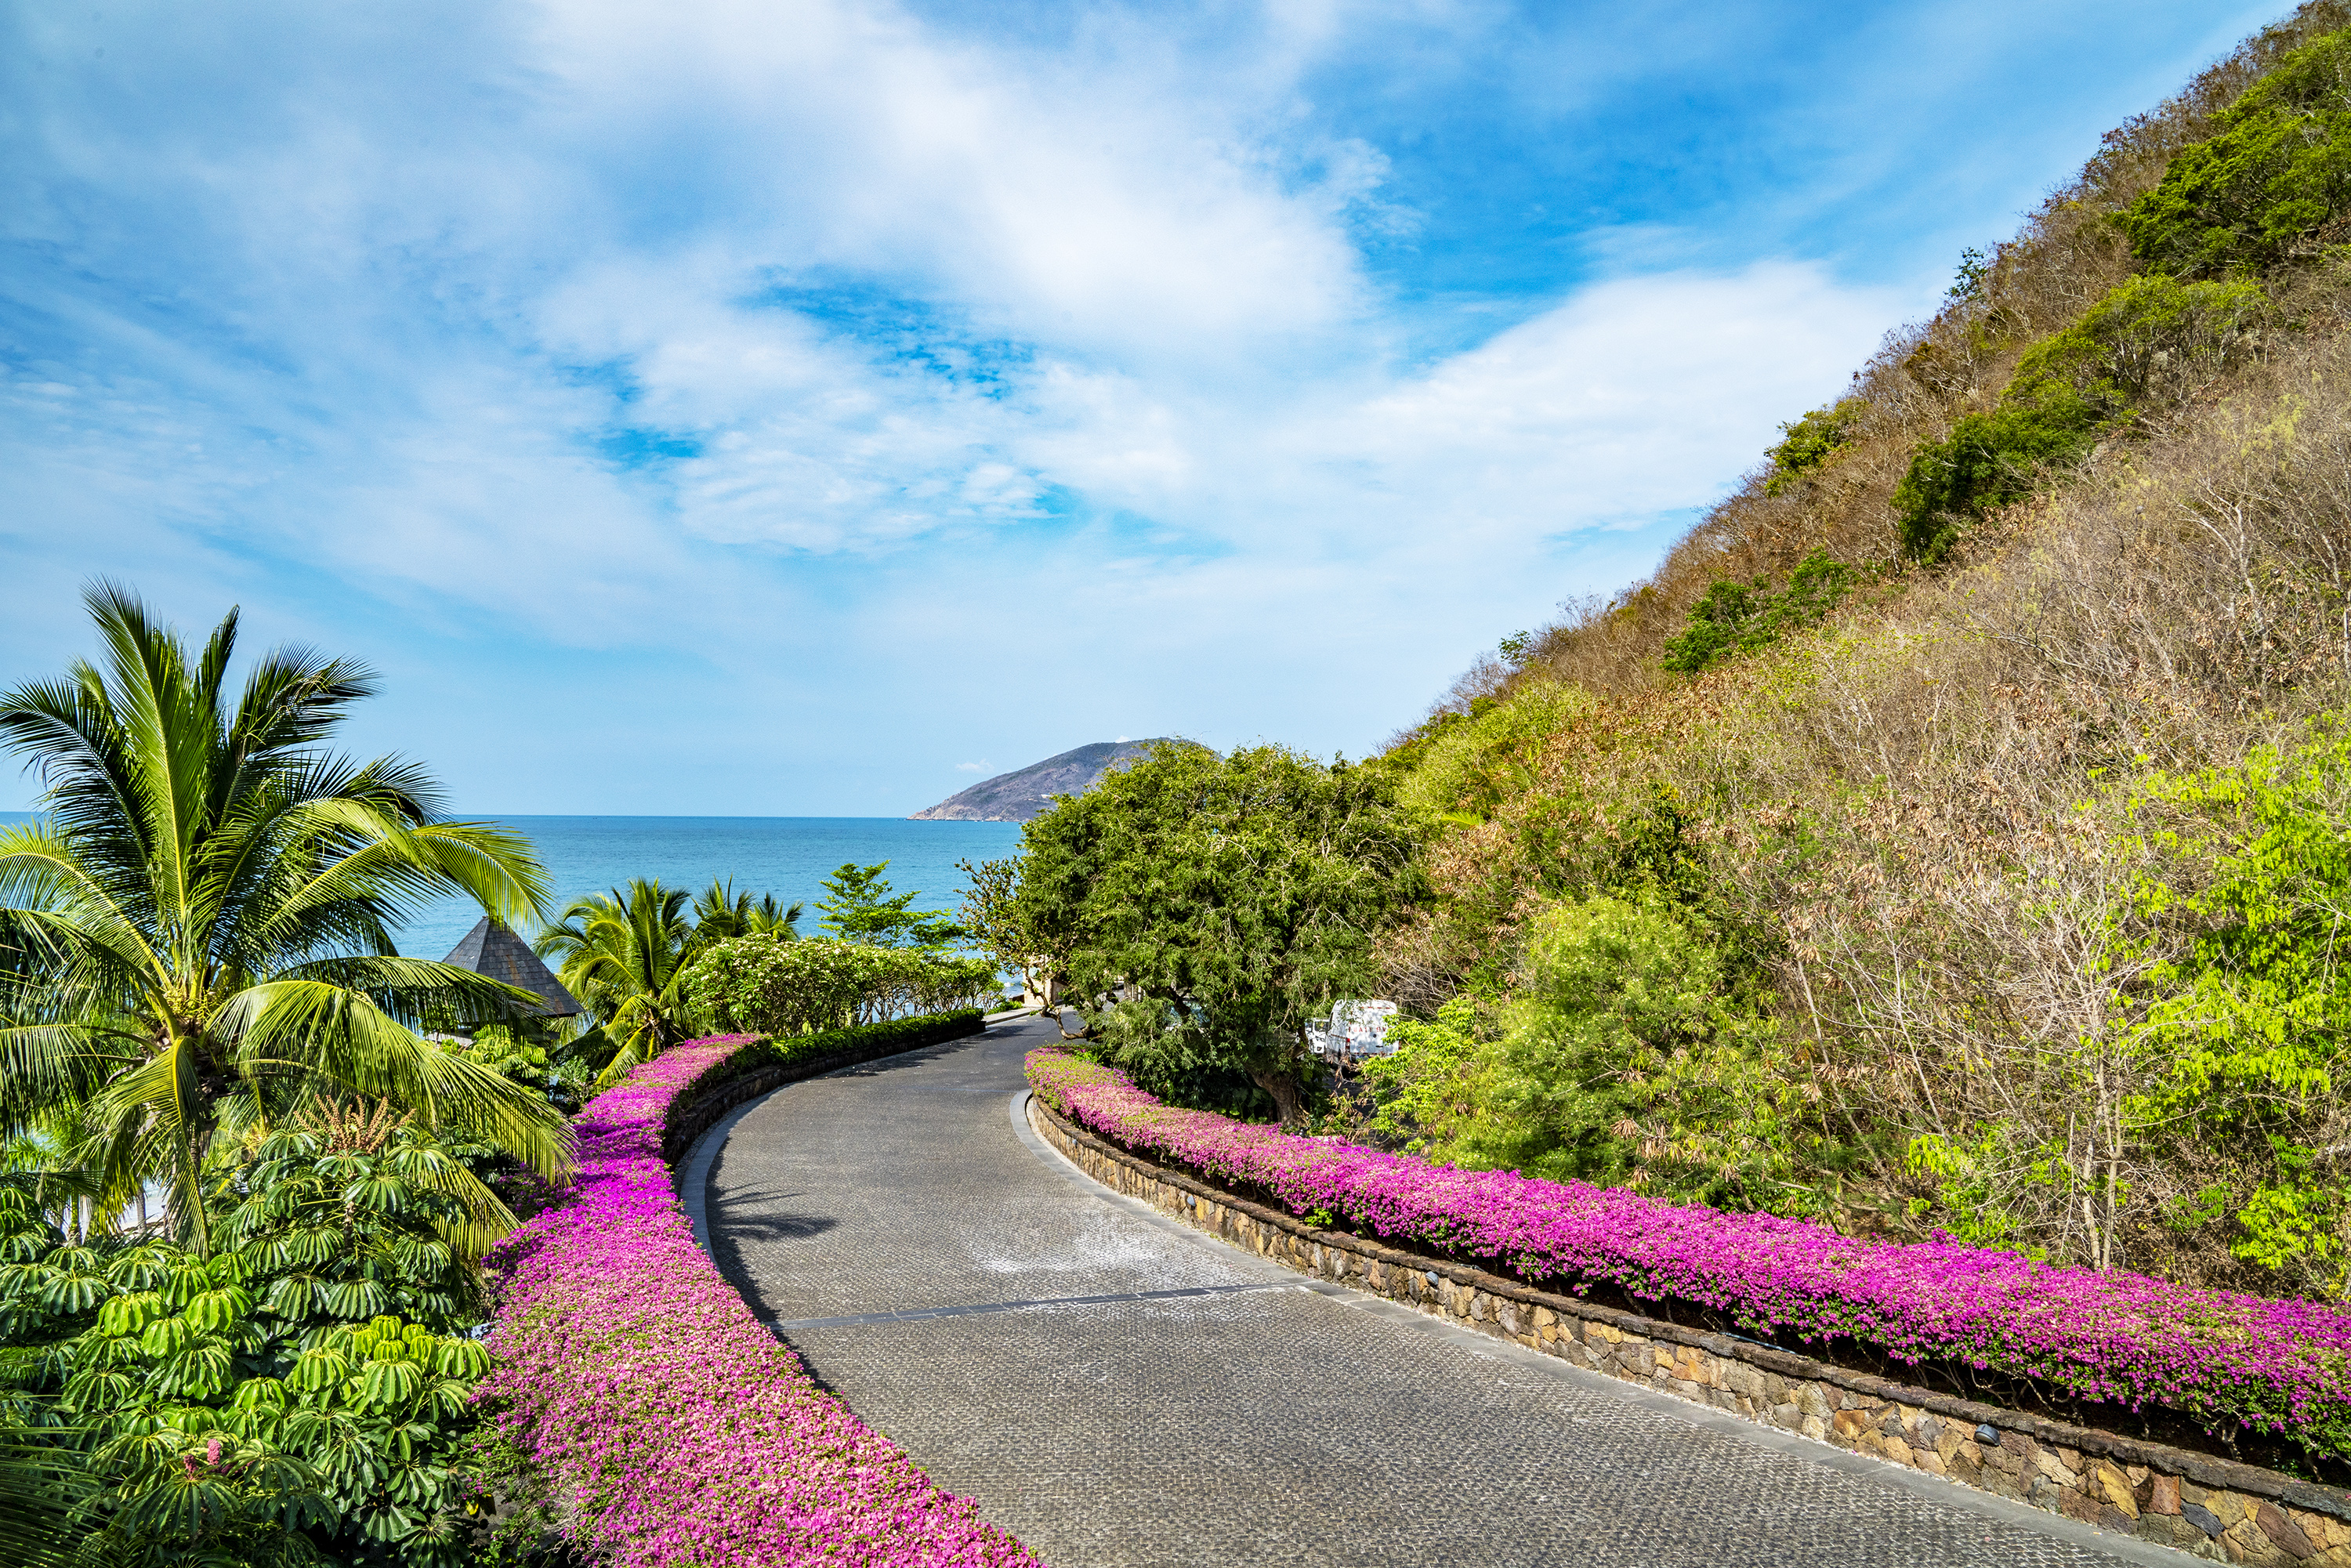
<point x="197" y="930"/>
<point x="202" y="1004"/>
<point x="1201" y="908"/>
<point x="750" y="985"/>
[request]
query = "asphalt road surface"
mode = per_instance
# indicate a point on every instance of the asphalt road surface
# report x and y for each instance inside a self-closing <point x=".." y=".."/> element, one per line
<point x="931" y="1260"/>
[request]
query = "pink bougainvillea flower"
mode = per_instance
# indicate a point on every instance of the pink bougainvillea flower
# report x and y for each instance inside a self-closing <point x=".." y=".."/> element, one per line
<point x="2224" y="1359"/>
<point x="668" y="1424"/>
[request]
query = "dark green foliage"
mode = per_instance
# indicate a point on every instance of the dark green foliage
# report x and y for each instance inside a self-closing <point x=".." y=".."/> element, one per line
<point x="1987" y="461"/>
<point x="2146" y="341"/>
<point x="42" y="1484"/>
<point x="300" y="1394"/>
<point x="2278" y="172"/>
<point x="1739" y="618"/>
<point x="1811" y="442"/>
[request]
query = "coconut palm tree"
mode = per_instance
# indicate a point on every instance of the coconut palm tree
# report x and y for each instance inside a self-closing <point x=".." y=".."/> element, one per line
<point x="195" y="936"/>
<point x="720" y="912"/>
<point x="623" y="954"/>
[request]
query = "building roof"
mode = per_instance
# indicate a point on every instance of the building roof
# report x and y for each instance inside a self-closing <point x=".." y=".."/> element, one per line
<point x="491" y="949"/>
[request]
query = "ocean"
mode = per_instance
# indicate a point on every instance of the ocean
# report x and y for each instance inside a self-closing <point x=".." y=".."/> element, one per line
<point x="788" y="856"/>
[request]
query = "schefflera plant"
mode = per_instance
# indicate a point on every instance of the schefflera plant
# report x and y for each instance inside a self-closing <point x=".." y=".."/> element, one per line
<point x="305" y="1386"/>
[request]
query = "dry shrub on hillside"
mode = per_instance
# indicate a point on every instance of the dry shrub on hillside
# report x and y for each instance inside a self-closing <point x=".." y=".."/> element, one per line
<point x="1919" y="825"/>
<point x="1968" y="947"/>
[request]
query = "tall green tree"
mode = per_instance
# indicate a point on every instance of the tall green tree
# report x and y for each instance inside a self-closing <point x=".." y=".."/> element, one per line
<point x="198" y="929"/>
<point x="1203" y="909"/>
<point x="623" y="954"/>
<point x="720" y="912"/>
<point x="859" y="906"/>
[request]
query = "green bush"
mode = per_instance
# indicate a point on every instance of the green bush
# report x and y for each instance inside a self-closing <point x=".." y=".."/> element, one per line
<point x="1741" y="618"/>
<point x="1625" y="1058"/>
<point x="1987" y="461"/>
<point x="2141" y="344"/>
<point x="758" y="984"/>
<point x="2278" y="172"/>
<point x="1810" y="442"/>
<point x="2251" y="1030"/>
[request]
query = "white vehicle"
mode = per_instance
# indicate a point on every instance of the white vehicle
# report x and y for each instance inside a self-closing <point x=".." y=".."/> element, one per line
<point x="1357" y="1029"/>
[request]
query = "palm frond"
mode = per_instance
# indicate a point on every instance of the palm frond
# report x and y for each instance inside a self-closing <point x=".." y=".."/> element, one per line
<point x="332" y="1036"/>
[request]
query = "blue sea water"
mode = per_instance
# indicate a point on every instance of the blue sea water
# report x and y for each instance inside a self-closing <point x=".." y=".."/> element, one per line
<point x="788" y="856"/>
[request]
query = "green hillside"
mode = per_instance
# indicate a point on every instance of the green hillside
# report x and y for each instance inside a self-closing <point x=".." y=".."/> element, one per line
<point x="1951" y="833"/>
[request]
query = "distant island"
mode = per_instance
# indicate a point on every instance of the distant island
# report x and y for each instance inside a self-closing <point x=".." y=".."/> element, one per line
<point x="1017" y="797"/>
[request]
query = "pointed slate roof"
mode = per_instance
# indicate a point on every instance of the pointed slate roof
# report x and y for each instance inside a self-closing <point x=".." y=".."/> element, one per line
<point x="491" y="949"/>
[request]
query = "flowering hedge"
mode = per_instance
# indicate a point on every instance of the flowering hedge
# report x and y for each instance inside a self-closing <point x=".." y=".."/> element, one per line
<point x="666" y="1421"/>
<point x="2219" y="1358"/>
<point x="761" y="986"/>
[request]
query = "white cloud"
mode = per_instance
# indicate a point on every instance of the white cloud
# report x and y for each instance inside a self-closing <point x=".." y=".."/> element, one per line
<point x="995" y="382"/>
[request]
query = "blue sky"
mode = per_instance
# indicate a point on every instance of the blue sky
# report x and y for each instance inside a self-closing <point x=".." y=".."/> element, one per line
<point x="806" y="408"/>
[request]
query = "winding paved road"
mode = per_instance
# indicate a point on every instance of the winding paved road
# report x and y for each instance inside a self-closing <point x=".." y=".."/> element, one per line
<point x="931" y="1260"/>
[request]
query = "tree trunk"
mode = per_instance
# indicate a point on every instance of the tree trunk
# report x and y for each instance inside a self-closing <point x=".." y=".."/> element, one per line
<point x="1289" y="1100"/>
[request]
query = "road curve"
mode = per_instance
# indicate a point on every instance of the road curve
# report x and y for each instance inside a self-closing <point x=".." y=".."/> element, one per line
<point x="1118" y="1390"/>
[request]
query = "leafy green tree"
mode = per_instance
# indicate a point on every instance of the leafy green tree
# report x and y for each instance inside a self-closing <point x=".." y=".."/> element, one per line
<point x="200" y="923"/>
<point x="1810" y="442"/>
<point x="623" y="954"/>
<point x="2249" y="1036"/>
<point x="1741" y="618"/>
<point x="1207" y="908"/>
<point x="993" y="921"/>
<point x="860" y="907"/>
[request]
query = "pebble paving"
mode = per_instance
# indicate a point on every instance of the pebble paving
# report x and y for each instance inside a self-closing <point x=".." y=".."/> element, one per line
<point x="1119" y="1391"/>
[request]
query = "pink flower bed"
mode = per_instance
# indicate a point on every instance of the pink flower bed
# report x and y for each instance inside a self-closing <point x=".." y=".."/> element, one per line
<point x="2277" y="1365"/>
<point x="670" y="1424"/>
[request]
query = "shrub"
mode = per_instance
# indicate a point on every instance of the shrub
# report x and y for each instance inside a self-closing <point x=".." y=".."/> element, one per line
<point x="758" y="984"/>
<point x="668" y="1425"/>
<point x="1208" y="907"/>
<point x="2249" y="1027"/>
<point x="2221" y="1359"/>
<point x="2142" y="342"/>
<point x="2278" y="172"/>
<point x="1810" y="442"/>
<point x="1741" y="618"/>
<point x="305" y="1386"/>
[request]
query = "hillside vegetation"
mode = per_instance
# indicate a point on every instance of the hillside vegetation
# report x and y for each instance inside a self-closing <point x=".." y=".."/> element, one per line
<point x="1950" y="835"/>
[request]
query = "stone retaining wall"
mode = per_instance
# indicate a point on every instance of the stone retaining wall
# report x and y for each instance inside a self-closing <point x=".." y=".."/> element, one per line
<point x="2214" y="1508"/>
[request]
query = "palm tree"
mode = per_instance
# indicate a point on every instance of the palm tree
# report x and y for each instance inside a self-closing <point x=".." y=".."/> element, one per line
<point x="196" y="933"/>
<point x="623" y="954"/>
<point x="720" y="912"/>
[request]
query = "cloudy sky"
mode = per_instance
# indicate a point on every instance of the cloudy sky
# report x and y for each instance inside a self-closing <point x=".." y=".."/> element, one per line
<point x="799" y="408"/>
